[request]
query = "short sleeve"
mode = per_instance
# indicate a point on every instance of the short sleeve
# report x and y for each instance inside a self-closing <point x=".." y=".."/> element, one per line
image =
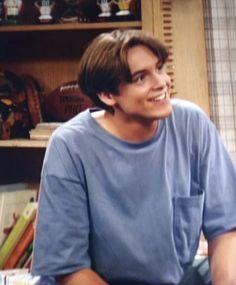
<point x="62" y="232"/>
<point x="218" y="179"/>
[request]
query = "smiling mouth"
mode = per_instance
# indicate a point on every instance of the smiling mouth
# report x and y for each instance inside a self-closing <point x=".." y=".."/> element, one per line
<point x="159" y="97"/>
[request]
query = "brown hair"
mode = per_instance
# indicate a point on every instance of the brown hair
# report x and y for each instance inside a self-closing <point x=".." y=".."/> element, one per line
<point x="104" y="66"/>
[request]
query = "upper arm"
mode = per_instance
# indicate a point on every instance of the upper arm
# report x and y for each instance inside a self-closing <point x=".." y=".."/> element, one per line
<point x="222" y="253"/>
<point x="218" y="180"/>
<point x="62" y="233"/>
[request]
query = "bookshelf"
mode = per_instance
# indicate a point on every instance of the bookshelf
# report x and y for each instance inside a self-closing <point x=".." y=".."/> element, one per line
<point x="51" y="54"/>
<point x="21" y="164"/>
<point x="71" y="26"/>
<point x="23" y="143"/>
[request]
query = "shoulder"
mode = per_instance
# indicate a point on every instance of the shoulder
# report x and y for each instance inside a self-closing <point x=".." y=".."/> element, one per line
<point x="188" y="120"/>
<point x="187" y="107"/>
<point x="185" y="112"/>
<point x="72" y="133"/>
<point x="75" y="126"/>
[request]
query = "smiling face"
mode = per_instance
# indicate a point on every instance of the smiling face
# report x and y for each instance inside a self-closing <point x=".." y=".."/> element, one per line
<point x="147" y="96"/>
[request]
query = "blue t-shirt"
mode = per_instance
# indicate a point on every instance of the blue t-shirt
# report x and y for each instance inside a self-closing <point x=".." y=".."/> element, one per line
<point x="133" y="212"/>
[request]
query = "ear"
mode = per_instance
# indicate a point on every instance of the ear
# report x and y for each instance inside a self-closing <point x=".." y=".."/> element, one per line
<point x="107" y="98"/>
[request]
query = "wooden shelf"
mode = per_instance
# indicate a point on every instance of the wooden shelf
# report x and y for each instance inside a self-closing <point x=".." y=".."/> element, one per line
<point x="51" y="54"/>
<point x="71" y="26"/>
<point x="39" y="70"/>
<point x="23" y="143"/>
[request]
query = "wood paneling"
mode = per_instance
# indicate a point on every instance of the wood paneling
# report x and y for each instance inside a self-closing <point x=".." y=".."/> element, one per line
<point x="187" y="47"/>
<point x="190" y="52"/>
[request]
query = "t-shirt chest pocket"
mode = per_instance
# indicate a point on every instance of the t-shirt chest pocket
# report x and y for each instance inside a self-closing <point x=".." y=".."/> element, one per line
<point x="187" y="223"/>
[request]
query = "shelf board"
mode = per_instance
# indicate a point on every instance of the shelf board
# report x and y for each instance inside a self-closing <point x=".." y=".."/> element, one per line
<point x="24" y="143"/>
<point x="72" y="26"/>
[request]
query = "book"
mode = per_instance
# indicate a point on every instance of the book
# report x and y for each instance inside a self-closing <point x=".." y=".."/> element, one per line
<point x="21" y="247"/>
<point x="48" y="125"/>
<point x="43" y="130"/>
<point x="23" y="260"/>
<point x="13" y="238"/>
<point x="13" y="199"/>
<point x="28" y="262"/>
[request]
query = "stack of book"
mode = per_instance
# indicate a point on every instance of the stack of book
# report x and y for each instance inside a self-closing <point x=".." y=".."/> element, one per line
<point x="18" y="208"/>
<point x="43" y="130"/>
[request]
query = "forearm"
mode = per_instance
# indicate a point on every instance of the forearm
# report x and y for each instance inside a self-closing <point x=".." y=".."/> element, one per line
<point x="83" y="277"/>
<point x="222" y="253"/>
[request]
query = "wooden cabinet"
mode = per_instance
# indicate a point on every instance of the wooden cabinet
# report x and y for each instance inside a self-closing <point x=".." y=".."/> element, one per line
<point x="190" y="52"/>
<point x="51" y="53"/>
<point x="180" y="24"/>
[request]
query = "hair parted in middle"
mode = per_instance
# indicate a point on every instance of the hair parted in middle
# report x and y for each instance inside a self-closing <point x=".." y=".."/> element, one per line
<point x="104" y="65"/>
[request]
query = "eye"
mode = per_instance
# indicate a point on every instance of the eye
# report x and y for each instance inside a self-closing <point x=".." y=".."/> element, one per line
<point x="138" y="78"/>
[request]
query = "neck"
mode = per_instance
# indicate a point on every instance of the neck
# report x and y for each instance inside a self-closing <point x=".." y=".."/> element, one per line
<point x="132" y="130"/>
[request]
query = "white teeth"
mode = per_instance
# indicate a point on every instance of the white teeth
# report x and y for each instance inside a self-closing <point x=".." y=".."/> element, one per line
<point x="158" y="98"/>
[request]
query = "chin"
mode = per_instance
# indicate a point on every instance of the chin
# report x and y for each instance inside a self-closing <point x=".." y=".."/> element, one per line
<point x="164" y="113"/>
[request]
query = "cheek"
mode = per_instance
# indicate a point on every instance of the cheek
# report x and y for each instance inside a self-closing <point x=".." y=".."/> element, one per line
<point x="168" y="80"/>
<point x="131" y="102"/>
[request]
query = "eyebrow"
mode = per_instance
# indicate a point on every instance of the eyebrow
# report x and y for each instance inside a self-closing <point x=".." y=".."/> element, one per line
<point x="159" y="63"/>
<point x="138" y="72"/>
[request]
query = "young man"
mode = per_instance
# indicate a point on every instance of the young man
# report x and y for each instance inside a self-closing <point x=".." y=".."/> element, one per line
<point x="127" y="188"/>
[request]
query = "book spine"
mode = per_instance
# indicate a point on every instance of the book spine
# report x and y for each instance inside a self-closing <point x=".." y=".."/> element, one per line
<point x="28" y="262"/>
<point x="21" y="247"/>
<point x="13" y="199"/>
<point x="25" y="256"/>
<point x="17" y="232"/>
